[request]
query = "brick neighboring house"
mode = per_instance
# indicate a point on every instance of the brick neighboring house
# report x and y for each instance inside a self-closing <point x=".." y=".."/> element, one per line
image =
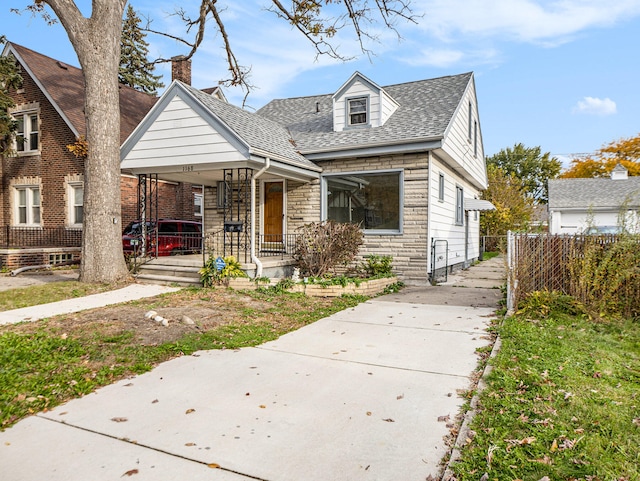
<point x="42" y="181"/>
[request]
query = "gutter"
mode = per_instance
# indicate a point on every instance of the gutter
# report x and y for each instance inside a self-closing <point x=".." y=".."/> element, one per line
<point x="254" y="257"/>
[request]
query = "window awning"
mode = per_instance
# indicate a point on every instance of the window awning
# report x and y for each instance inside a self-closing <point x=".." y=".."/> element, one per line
<point x="478" y="204"/>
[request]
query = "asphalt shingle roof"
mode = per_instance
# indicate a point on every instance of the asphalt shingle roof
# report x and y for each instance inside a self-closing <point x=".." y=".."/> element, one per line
<point x="425" y="110"/>
<point x="259" y="132"/>
<point x="65" y="85"/>
<point x="587" y="193"/>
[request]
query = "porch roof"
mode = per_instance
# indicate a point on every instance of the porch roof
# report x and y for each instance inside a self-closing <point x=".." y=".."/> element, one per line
<point x="191" y="136"/>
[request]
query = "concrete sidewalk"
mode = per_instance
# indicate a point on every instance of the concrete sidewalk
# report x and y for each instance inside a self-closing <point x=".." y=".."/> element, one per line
<point x="363" y="394"/>
<point x="43" y="311"/>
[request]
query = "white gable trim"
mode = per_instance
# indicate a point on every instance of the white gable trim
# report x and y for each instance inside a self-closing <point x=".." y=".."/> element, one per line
<point x="349" y="83"/>
<point x="10" y="49"/>
<point x="177" y="90"/>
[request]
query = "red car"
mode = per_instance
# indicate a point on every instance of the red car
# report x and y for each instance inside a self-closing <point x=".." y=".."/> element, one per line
<point x="171" y="237"/>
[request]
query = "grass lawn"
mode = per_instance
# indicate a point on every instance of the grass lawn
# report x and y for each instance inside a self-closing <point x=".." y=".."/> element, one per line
<point x="45" y="363"/>
<point x="563" y="399"/>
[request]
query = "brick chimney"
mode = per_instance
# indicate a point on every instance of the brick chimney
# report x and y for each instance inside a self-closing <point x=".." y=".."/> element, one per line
<point x="181" y="69"/>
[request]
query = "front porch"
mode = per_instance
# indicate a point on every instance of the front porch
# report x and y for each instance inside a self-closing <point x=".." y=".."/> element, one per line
<point x="185" y="270"/>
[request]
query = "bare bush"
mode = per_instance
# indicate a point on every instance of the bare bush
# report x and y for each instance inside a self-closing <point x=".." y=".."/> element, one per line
<point x="324" y="246"/>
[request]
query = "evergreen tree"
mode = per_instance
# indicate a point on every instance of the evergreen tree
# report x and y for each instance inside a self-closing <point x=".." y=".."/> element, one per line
<point x="9" y="78"/>
<point x="135" y="69"/>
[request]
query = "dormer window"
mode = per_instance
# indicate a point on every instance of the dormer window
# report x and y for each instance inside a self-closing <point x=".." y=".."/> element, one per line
<point x="358" y="114"/>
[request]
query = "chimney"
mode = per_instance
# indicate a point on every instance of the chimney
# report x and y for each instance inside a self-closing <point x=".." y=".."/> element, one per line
<point x="181" y="69"/>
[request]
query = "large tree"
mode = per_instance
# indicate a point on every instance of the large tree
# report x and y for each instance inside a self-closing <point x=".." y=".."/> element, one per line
<point x="514" y="208"/>
<point x="530" y="166"/>
<point x="9" y="77"/>
<point x="96" y="40"/>
<point x="135" y="69"/>
<point x="624" y="151"/>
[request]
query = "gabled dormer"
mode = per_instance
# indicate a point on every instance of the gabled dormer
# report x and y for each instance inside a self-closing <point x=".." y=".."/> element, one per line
<point x="360" y="104"/>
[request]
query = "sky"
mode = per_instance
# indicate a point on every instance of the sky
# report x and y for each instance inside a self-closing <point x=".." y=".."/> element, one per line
<point x="559" y="74"/>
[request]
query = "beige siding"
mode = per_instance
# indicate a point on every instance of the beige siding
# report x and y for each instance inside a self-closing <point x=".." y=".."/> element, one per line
<point x="410" y="249"/>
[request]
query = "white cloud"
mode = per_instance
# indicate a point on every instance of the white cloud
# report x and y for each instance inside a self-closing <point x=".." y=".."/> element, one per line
<point x="536" y="21"/>
<point x="449" y="57"/>
<point x="595" y="106"/>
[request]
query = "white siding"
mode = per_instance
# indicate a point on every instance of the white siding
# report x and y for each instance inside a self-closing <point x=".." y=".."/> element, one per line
<point x="389" y="106"/>
<point x="443" y="214"/>
<point x="467" y="150"/>
<point x="180" y="136"/>
<point x="575" y="222"/>
<point x="357" y="89"/>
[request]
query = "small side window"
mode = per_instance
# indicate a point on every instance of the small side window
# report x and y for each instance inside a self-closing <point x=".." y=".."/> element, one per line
<point x="441" y="187"/>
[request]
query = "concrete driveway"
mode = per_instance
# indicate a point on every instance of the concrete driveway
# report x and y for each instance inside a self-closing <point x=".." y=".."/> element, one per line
<point x="362" y="395"/>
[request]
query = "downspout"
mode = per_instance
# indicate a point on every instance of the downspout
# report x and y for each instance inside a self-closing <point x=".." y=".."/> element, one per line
<point x="429" y="266"/>
<point x="254" y="257"/>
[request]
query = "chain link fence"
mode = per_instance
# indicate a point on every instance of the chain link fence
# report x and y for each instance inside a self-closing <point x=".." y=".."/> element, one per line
<point x="591" y="268"/>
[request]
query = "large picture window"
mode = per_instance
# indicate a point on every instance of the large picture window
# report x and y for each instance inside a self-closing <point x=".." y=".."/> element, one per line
<point x="371" y="200"/>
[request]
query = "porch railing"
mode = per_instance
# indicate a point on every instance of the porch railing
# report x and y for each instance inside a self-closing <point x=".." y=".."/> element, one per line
<point x="237" y="244"/>
<point x="32" y="237"/>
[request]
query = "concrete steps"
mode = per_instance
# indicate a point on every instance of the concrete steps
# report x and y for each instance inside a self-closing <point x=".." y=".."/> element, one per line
<point x="182" y="272"/>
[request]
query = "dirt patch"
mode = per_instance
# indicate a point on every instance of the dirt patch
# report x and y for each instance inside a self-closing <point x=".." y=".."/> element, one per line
<point x="207" y="309"/>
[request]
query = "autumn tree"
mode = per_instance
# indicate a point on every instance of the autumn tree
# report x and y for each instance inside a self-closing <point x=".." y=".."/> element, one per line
<point x="9" y="77"/>
<point x="96" y="40"/>
<point x="513" y="205"/>
<point x="531" y="167"/>
<point x="603" y="161"/>
<point x="135" y="69"/>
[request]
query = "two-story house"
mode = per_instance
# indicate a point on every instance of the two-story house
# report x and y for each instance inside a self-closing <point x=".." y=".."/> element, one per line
<point x="42" y="181"/>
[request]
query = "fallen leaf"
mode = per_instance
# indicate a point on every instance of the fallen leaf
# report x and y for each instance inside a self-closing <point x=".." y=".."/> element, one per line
<point x="247" y="394"/>
<point x="119" y="420"/>
<point x="128" y="384"/>
<point x="190" y="444"/>
<point x="262" y="406"/>
<point x="442" y="419"/>
<point x="368" y="413"/>
<point x="63" y="413"/>
<point x="389" y="420"/>
<point x="131" y="472"/>
<point x="213" y="465"/>
<point x="554" y="446"/>
<point x="154" y="401"/>
<point x="190" y="410"/>
<point x="401" y="396"/>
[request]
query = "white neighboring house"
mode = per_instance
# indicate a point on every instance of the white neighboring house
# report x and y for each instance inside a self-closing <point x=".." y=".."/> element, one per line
<point x="405" y="162"/>
<point x="603" y="205"/>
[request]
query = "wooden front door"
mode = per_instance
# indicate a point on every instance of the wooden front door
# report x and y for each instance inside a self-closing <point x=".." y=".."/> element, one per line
<point x="273" y="211"/>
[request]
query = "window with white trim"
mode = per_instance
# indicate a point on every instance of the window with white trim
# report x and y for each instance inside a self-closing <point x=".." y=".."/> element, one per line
<point x="197" y="205"/>
<point x="441" y="187"/>
<point x="372" y="200"/>
<point x="76" y="204"/>
<point x="27" y="138"/>
<point x="358" y="111"/>
<point x="459" y="205"/>
<point x="27" y="206"/>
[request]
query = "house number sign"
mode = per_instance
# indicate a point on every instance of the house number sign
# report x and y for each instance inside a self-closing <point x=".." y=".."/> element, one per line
<point x="187" y="168"/>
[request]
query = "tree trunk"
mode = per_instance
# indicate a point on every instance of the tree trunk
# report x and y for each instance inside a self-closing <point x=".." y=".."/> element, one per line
<point x="96" y="40"/>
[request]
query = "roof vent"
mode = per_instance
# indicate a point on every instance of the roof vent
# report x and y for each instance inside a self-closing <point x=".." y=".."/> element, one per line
<point x="61" y="65"/>
<point x="317" y="106"/>
<point x="619" y="172"/>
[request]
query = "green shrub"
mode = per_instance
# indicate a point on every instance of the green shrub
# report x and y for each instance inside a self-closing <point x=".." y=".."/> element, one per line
<point x="607" y="276"/>
<point x="210" y="275"/>
<point x="377" y="266"/>
<point x="324" y="246"/>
